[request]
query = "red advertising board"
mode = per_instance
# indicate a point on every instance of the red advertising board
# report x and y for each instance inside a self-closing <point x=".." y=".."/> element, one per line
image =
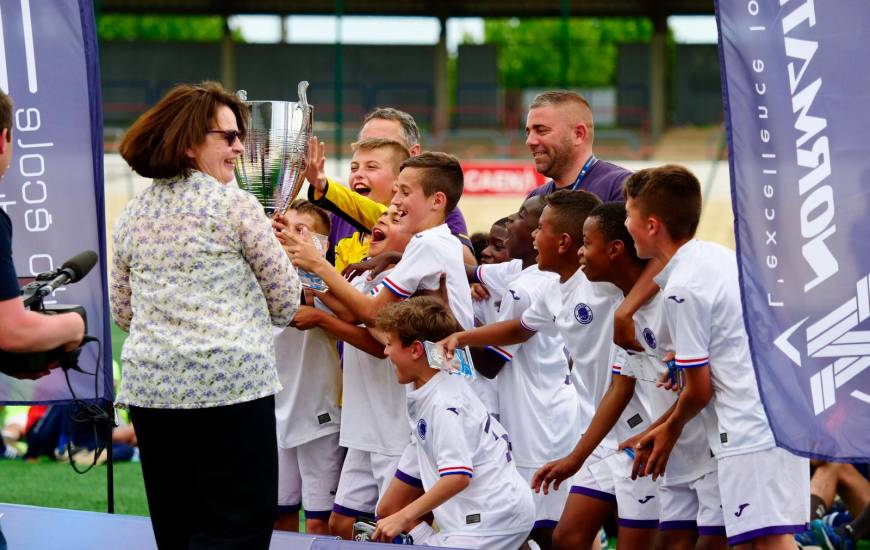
<point x="500" y="178"/>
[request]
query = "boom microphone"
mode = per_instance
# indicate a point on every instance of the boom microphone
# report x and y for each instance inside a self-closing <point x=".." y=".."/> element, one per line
<point x="78" y="266"/>
<point x="72" y="271"/>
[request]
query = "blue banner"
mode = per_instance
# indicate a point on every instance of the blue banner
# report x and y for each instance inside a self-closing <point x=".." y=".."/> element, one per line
<point x="795" y="82"/>
<point x="53" y="189"/>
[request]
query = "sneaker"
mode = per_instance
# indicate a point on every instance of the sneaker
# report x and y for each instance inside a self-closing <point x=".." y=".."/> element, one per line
<point x="838" y="518"/>
<point x="807" y="540"/>
<point x="830" y="538"/>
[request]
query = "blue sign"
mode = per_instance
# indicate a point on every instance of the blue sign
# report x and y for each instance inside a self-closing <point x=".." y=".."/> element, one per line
<point x="53" y="189"/>
<point x="795" y="81"/>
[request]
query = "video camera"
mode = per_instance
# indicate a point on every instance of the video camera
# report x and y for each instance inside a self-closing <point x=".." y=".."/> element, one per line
<point x="33" y="294"/>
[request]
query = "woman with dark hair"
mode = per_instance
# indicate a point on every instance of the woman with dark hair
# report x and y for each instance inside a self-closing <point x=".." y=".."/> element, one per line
<point x="197" y="279"/>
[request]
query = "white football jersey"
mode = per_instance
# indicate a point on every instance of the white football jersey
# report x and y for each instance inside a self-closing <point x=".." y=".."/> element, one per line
<point x="704" y="316"/>
<point x="540" y="406"/>
<point x="497" y="277"/>
<point x="428" y="255"/>
<point x="373" y="402"/>
<point x="486" y="312"/>
<point x="454" y="435"/>
<point x="691" y="457"/>
<point x="308" y="368"/>
<point x="582" y="312"/>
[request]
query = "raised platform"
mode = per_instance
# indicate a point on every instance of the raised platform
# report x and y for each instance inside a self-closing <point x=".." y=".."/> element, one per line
<point x="35" y="528"/>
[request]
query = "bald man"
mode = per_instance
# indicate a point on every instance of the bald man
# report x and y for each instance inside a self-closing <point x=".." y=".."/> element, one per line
<point x="559" y="134"/>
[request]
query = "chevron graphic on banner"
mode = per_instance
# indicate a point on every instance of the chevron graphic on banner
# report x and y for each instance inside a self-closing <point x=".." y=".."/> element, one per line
<point x="834" y="336"/>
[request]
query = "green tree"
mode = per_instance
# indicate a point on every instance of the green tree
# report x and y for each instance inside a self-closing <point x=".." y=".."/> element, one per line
<point x="162" y="28"/>
<point x="530" y="50"/>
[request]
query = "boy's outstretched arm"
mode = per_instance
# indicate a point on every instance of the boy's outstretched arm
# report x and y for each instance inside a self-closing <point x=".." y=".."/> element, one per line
<point x="364" y="307"/>
<point x="503" y="333"/>
<point x="612" y="404"/>
<point x="444" y="489"/>
<point x="660" y="441"/>
<point x="308" y="317"/>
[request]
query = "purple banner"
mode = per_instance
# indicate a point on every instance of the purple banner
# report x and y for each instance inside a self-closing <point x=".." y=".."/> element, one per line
<point x="53" y="189"/>
<point x="795" y="82"/>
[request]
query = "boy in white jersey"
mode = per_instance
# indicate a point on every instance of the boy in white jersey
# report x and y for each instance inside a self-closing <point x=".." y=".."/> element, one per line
<point x="764" y="489"/>
<point x="373" y="427"/>
<point x="608" y="254"/>
<point x="690" y="513"/>
<point x="464" y="455"/>
<point x="541" y="406"/>
<point x="306" y="409"/>
<point x="618" y="411"/>
<point x="582" y="312"/>
<point x="486" y="310"/>
<point x="429" y="186"/>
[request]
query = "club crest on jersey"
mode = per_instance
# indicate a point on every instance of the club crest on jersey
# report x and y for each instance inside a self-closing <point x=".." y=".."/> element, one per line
<point x="421" y="428"/>
<point x="649" y="337"/>
<point x="583" y="314"/>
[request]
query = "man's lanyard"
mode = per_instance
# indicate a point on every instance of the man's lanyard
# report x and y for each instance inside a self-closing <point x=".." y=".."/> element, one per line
<point x="590" y="162"/>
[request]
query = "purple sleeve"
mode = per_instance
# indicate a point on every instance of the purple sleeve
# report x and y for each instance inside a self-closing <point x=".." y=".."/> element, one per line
<point x="609" y="186"/>
<point x="456" y="222"/>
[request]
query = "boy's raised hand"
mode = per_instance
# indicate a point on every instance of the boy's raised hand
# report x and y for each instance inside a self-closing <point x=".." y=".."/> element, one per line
<point x="279" y="226"/>
<point x="450" y="344"/>
<point x="373" y="264"/>
<point x="302" y="253"/>
<point x="314" y="171"/>
<point x="555" y="472"/>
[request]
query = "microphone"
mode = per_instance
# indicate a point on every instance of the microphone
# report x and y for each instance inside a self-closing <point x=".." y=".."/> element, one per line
<point x="72" y="271"/>
<point x="79" y="265"/>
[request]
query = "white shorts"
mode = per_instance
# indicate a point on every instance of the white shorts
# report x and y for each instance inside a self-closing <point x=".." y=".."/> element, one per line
<point x="636" y="504"/>
<point x="365" y="476"/>
<point x="548" y="508"/>
<point x="693" y="505"/>
<point x="491" y="542"/>
<point x="408" y="469"/>
<point x="764" y="493"/>
<point x="308" y="474"/>
<point x="585" y="482"/>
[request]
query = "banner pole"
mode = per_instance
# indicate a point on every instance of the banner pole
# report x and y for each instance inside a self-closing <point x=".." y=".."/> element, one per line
<point x="110" y="473"/>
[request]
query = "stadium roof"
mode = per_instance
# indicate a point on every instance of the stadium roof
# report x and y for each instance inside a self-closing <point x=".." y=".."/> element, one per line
<point x="430" y="8"/>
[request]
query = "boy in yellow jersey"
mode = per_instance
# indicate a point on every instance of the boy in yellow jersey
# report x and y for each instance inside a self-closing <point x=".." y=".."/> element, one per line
<point x="374" y="169"/>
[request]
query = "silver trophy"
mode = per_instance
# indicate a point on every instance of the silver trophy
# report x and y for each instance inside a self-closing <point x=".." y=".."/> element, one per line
<point x="276" y="150"/>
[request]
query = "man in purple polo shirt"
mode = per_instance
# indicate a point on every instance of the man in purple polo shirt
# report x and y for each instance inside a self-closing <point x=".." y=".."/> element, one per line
<point x="559" y="133"/>
<point x="387" y="122"/>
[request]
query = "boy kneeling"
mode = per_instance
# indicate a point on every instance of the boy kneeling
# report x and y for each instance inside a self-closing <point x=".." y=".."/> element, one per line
<point x="472" y="486"/>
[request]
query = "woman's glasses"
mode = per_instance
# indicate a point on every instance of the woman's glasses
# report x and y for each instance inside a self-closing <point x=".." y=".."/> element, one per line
<point x="229" y="135"/>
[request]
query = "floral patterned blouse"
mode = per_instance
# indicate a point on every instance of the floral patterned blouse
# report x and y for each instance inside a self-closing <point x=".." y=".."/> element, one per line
<point x="197" y="279"/>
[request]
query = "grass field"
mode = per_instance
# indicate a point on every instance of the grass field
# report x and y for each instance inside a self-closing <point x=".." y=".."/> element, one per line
<point x="56" y="485"/>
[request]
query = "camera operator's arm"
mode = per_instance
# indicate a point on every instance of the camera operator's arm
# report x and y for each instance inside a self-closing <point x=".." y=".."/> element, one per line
<point x="27" y="331"/>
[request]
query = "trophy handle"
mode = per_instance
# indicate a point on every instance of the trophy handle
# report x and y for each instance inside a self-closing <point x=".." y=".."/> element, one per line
<point x="303" y="97"/>
<point x="242" y="95"/>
